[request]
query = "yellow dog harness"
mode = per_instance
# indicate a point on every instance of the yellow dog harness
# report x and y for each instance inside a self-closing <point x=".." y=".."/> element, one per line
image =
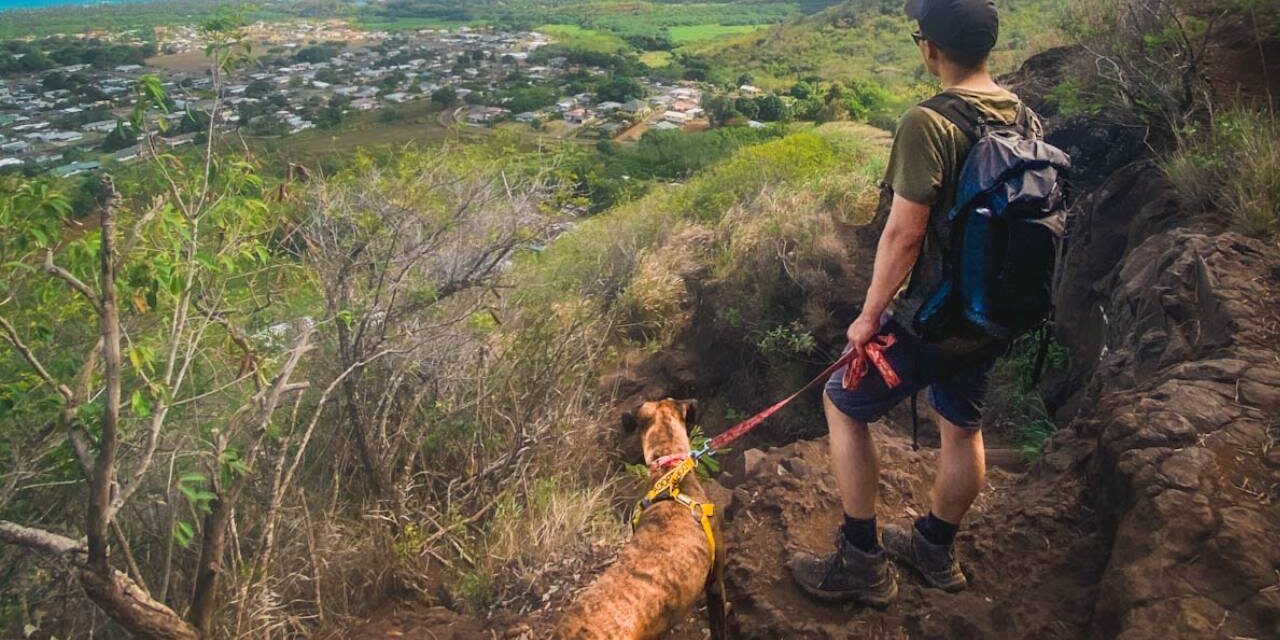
<point x="668" y="488"/>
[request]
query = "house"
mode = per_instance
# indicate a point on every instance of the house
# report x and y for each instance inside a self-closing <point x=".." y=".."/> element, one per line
<point x="634" y="108"/>
<point x="57" y="137"/>
<point x="608" y="106"/>
<point x="178" y="141"/>
<point x="364" y="104"/>
<point x="76" y="168"/>
<point x="664" y="126"/>
<point x="527" y="117"/>
<point x="128" y="154"/>
<point x="9" y="162"/>
<point x="683" y="106"/>
<point x="750" y="91"/>
<point x="397" y="97"/>
<point x="565" y="104"/>
<point x="485" y="115"/>
<point x="101" y="126"/>
<point x="686" y="93"/>
<point x="575" y="116"/>
<point x="675" y="117"/>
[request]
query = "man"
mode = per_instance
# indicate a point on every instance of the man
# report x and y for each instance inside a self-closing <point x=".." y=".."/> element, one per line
<point x="955" y="38"/>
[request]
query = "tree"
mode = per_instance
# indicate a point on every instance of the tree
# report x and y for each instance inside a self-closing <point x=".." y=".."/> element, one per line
<point x="445" y="97"/>
<point x="168" y="338"/>
<point x="719" y="107"/>
<point x="394" y="249"/>
<point x="258" y="89"/>
<point x="801" y="90"/>
<point x="771" y="108"/>
<point x="619" y="89"/>
<point x="124" y="135"/>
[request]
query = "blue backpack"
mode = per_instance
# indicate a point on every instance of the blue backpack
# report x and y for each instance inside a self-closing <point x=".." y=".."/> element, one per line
<point x="1003" y="240"/>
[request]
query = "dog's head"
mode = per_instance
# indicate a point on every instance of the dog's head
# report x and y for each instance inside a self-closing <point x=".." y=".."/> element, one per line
<point x="663" y="426"/>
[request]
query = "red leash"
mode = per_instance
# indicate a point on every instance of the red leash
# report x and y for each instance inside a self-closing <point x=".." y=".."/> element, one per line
<point x="857" y="370"/>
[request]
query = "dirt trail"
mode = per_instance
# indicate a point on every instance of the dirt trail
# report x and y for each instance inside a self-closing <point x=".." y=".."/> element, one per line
<point x="1030" y="548"/>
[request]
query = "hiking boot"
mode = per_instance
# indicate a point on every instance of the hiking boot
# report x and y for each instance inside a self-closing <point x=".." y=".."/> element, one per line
<point x="847" y="575"/>
<point x="937" y="563"/>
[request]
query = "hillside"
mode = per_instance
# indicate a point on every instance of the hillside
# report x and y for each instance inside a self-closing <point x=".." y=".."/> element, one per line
<point x="864" y="40"/>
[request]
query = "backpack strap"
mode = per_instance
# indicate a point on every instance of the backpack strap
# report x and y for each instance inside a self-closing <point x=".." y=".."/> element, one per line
<point x="959" y="112"/>
<point x="973" y="122"/>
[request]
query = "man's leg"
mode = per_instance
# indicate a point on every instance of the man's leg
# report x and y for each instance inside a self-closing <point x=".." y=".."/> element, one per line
<point x="858" y="569"/>
<point x="962" y="471"/>
<point x="928" y="546"/>
<point x="854" y="462"/>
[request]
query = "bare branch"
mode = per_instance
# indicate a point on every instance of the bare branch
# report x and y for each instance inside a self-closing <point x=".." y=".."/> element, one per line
<point x="69" y="278"/>
<point x="40" y="540"/>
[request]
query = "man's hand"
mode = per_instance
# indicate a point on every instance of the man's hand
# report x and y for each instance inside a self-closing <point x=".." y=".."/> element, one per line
<point x="861" y="332"/>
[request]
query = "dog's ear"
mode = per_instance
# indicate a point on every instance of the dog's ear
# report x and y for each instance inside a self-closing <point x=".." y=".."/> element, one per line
<point x="688" y="411"/>
<point x="629" y="421"/>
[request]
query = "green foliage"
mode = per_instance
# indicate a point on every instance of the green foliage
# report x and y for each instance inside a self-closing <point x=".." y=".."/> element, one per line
<point x="27" y="56"/>
<point x="1232" y="166"/>
<point x="857" y="40"/>
<point x="445" y="97"/>
<point x="620" y="173"/>
<point x="1070" y="98"/>
<point x="1014" y="406"/>
<point x="526" y="98"/>
<point x="784" y="342"/>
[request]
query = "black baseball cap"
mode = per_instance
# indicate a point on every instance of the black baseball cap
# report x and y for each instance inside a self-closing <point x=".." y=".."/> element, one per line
<point x="965" y="26"/>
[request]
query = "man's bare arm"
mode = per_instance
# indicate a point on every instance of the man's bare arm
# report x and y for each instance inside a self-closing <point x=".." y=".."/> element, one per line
<point x="895" y="256"/>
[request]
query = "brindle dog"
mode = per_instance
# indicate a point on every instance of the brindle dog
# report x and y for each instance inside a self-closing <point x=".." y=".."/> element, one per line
<point x="658" y="575"/>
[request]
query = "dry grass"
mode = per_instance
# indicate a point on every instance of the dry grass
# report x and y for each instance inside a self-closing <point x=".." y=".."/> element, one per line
<point x="1233" y="167"/>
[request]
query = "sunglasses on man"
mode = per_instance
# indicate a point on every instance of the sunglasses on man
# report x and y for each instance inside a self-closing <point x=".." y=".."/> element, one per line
<point x="918" y="37"/>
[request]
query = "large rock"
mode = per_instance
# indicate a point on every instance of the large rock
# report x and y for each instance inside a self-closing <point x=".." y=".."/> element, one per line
<point x="1182" y="405"/>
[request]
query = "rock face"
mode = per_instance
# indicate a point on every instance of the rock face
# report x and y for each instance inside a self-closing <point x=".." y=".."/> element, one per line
<point x="1182" y="405"/>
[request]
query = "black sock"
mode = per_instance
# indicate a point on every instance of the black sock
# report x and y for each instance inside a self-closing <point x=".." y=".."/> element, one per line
<point x="861" y="533"/>
<point x="936" y="530"/>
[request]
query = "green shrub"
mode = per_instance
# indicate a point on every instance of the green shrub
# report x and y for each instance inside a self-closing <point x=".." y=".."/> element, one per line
<point x="1014" y="407"/>
<point x="1232" y="166"/>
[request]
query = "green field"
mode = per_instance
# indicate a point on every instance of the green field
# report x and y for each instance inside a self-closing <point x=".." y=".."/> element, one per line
<point x="700" y="32"/>
<point x="656" y="59"/>
<point x="587" y="39"/>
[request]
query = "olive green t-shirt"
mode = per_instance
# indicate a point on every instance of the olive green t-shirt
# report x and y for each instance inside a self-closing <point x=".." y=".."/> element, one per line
<point x="924" y="167"/>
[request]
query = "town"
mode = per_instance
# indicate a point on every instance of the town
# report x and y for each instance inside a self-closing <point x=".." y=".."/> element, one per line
<point x="73" y="118"/>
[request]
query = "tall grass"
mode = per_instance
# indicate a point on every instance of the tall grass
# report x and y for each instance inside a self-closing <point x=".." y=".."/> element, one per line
<point x="1233" y="167"/>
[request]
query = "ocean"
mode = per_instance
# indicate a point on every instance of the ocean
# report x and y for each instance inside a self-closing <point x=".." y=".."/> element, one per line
<point x="10" y="5"/>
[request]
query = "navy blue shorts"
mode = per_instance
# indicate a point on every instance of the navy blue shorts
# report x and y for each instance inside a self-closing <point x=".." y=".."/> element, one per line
<point x="956" y="382"/>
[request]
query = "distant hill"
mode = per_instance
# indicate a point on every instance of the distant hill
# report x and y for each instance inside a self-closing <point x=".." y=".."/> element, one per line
<point x="862" y="39"/>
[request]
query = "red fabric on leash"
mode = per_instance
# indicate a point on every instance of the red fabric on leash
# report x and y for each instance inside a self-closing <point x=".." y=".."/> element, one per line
<point x="857" y="370"/>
